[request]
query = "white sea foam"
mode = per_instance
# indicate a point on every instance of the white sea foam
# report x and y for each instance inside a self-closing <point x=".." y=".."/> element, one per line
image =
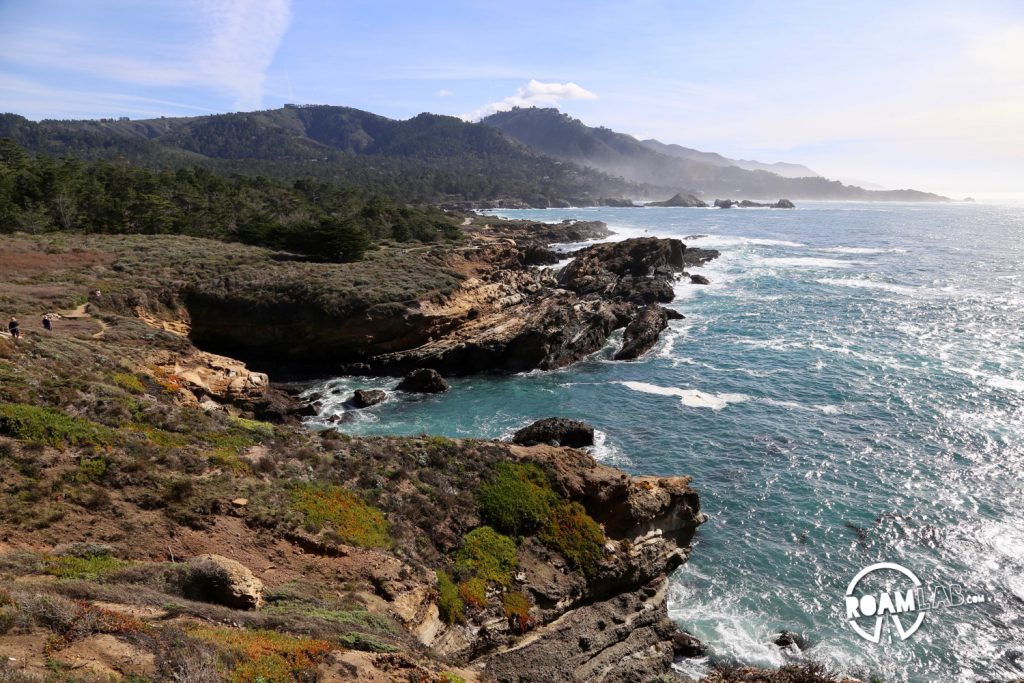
<point x="870" y="284"/>
<point x="808" y="262"/>
<point x="688" y="397"/>
<point x="734" y="241"/>
<point x="607" y="452"/>
<point x="864" y="250"/>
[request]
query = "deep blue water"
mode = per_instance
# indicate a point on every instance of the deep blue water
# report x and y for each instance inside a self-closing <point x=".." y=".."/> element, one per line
<point x="851" y="365"/>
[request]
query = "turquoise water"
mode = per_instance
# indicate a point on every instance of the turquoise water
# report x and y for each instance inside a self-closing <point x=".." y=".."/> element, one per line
<point x="848" y="390"/>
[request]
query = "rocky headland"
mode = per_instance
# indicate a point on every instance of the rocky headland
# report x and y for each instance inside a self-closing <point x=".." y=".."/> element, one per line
<point x="164" y="516"/>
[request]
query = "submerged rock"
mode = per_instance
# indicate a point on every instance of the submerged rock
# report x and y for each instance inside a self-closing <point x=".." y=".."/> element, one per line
<point x="424" y="381"/>
<point x="788" y="639"/>
<point x="556" y="431"/>
<point x="685" y="645"/>
<point x="642" y="332"/>
<point x="364" y="398"/>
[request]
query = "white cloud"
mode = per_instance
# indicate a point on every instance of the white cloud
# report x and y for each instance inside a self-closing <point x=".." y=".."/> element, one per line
<point x="244" y="36"/>
<point x="533" y="94"/>
<point x="444" y="93"/>
<point x="229" y="47"/>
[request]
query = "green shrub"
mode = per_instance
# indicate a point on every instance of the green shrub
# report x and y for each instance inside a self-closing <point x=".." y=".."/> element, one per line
<point x="129" y="382"/>
<point x="575" y="534"/>
<point x="254" y="427"/>
<point x="449" y="604"/>
<point x="449" y="677"/>
<point x="473" y="592"/>
<point x="487" y="555"/>
<point x="51" y="427"/>
<point x="517" y="500"/>
<point x="90" y="567"/>
<point x="91" y="469"/>
<point x="355" y="521"/>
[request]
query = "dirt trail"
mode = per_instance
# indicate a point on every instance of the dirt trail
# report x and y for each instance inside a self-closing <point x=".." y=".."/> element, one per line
<point x="80" y="313"/>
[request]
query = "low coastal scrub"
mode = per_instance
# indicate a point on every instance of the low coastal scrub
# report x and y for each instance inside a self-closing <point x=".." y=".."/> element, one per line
<point x="262" y="655"/>
<point x="487" y="555"/>
<point x="519" y="500"/>
<point x="449" y="604"/>
<point x="353" y="520"/>
<point x="87" y="567"/>
<point x="517" y="610"/>
<point x="51" y="427"/>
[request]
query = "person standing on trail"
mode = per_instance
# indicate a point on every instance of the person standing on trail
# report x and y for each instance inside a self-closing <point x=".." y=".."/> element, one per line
<point x="47" y="324"/>
<point x="13" y="327"/>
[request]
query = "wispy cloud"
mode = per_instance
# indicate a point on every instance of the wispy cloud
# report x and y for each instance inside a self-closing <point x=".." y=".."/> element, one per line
<point x="533" y="94"/>
<point x="228" y="47"/>
<point x="444" y="93"/>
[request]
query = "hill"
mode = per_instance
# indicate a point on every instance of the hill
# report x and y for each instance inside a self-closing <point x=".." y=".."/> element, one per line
<point x="778" y="168"/>
<point x="551" y="132"/>
<point x="425" y="159"/>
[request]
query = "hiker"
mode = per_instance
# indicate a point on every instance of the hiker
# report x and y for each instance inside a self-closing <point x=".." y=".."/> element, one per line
<point x="47" y="324"/>
<point x="12" y="326"/>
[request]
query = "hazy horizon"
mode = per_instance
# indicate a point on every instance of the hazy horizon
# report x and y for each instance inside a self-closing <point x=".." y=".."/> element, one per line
<point x="926" y="96"/>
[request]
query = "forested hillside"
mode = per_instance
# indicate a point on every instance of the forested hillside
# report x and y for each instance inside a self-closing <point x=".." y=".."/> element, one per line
<point x="322" y="220"/>
<point x="426" y="159"/>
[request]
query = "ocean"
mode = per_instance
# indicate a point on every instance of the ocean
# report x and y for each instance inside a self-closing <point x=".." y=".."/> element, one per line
<point x="848" y="390"/>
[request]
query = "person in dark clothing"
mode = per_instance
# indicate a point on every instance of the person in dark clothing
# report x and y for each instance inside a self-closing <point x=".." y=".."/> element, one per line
<point x="13" y="327"/>
<point x="47" y="324"/>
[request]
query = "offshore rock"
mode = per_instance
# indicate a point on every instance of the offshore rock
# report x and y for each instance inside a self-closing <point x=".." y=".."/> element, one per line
<point x="424" y="381"/>
<point x="699" y="280"/>
<point x="682" y="200"/>
<point x="364" y="398"/>
<point x="640" y="270"/>
<point x="642" y="332"/>
<point x="556" y="431"/>
<point x="686" y="645"/>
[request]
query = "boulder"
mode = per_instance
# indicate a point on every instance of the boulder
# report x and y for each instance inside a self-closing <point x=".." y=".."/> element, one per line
<point x="642" y="332"/>
<point x="788" y="639"/>
<point x="699" y="279"/>
<point x="221" y="580"/>
<point x="783" y="204"/>
<point x="364" y="398"/>
<point x="724" y="203"/>
<point x="556" y="431"/>
<point x="536" y="255"/>
<point x="424" y="381"/>
<point x="685" y="645"/>
<point x="682" y="200"/>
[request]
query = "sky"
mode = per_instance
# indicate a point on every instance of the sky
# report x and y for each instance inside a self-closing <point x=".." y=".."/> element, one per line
<point x="928" y="95"/>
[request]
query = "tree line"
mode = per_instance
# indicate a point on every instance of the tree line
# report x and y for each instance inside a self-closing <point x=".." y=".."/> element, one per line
<point x="322" y="220"/>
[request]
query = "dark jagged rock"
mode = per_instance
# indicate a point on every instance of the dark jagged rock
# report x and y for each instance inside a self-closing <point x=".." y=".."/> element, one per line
<point x="788" y="639"/>
<point x="640" y="270"/>
<point x="556" y="431"/>
<point x="685" y="645"/>
<point x="424" y="381"/>
<point x="783" y="204"/>
<point x="642" y="332"/>
<point x="699" y="279"/>
<point x="536" y="255"/>
<point x="364" y="398"/>
<point x="724" y="203"/>
<point x="747" y="204"/>
<point x="682" y="200"/>
<point x="694" y="256"/>
<point x="673" y="314"/>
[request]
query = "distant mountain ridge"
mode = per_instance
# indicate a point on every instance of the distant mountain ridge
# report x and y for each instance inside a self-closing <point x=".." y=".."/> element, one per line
<point x="786" y="170"/>
<point x="551" y="132"/>
<point x="428" y="158"/>
<point x="523" y="157"/>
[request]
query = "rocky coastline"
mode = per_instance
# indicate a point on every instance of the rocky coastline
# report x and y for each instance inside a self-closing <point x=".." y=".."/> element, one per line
<point x="206" y="513"/>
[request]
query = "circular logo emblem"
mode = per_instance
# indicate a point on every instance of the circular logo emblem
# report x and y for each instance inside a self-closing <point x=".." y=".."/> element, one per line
<point x="899" y="603"/>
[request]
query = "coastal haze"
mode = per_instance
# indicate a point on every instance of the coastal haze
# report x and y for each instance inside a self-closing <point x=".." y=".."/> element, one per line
<point x="475" y="342"/>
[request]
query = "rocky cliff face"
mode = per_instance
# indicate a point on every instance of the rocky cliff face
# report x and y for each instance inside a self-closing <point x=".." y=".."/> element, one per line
<point x="503" y="315"/>
<point x="612" y="625"/>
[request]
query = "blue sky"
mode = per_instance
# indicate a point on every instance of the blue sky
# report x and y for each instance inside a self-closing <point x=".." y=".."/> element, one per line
<point x="922" y="94"/>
